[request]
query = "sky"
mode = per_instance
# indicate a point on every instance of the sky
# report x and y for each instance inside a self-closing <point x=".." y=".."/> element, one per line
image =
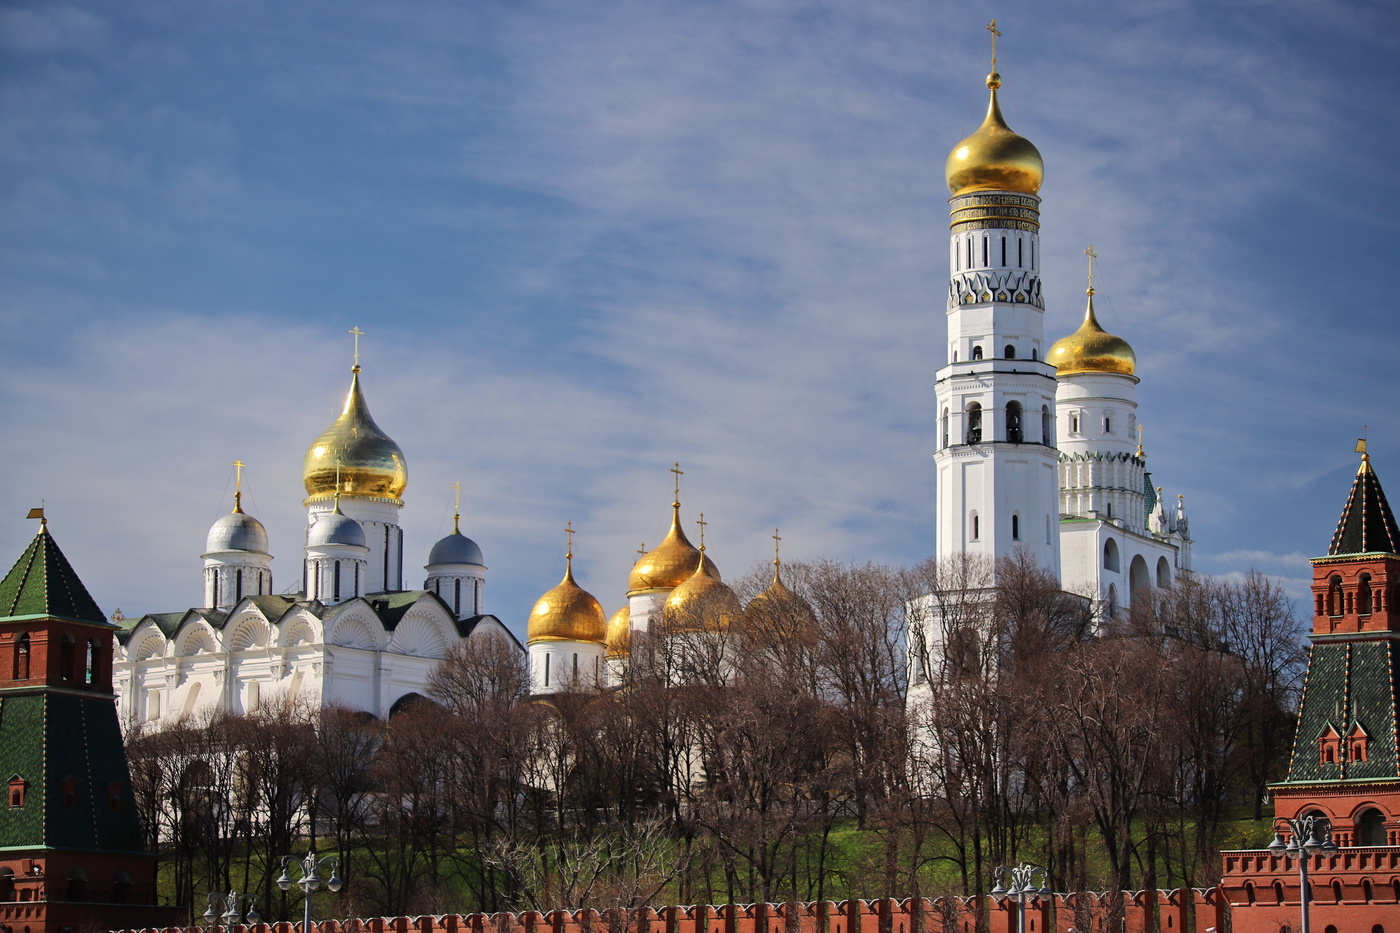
<point x="588" y="240"/>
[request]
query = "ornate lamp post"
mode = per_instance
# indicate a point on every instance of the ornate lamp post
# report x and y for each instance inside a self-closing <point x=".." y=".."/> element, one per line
<point x="310" y="880"/>
<point x="1310" y="835"/>
<point x="1022" y="889"/>
<point x="230" y="908"/>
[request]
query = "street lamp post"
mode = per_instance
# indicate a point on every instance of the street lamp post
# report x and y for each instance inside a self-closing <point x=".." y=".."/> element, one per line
<point x="1310" y="835"/>
<point x="1022" y="889"/>
<point x="310" y="880"/>
<point x="230" y="909"/>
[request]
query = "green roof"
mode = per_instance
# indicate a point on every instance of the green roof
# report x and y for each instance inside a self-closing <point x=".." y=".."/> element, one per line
<point x="49" y="739"/>
<point x="1367" y="525"/>
<point x="43" y="584"/>
<point x="1349" y="684"/>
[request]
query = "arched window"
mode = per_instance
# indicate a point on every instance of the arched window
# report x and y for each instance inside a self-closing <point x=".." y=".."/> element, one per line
<point x="1013" y="422"/>
<point x="238" y="584"/>
<point x="974" y="424"/>
<point x="90" y="672"/>
<point x="1107" y="425"/>
<point x="1110" y="556"/>
<point x="1363" y="595"/>
<point x="457" y="597"/>
<point x="65" y="658"/>
<point x="1015" y="527"/>
<point x="977" y="353"/>
<point x="1334" y="596"/>
<point x="335" y="592"/>
<point x="1074" y="423"/>
<point x="1035" y="354"/>
<point x="945" y="428"/>
<point x="1109" y="511"/>
<point x="1112" y="600"/>
<point x="1047" y="436"/>
<point x="546" y="670"/>
<point x="21" y="671"/>
<point x="976" y="527"/>
<point x="1010" y="352"/>
<point x="1370" y="828"/>
<point x="1138" y="578"/>
<point x="1164" y="573"/>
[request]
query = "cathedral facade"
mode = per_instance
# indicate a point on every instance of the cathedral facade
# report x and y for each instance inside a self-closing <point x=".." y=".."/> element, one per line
<point x="347" y="633"/>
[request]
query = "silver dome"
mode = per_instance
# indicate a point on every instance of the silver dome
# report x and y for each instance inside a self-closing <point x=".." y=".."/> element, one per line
<point x="336" y="528"/>
<point x="237" y="531"/>
<point x="456" y="548"/>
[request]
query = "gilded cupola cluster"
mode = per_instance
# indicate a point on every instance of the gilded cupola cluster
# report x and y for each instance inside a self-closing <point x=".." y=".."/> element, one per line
<point x="671" y="562"/>
<point x="353" y="456"/>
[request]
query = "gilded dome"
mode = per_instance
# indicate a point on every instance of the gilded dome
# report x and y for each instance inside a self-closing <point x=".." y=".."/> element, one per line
<point x="779" y="606"/>
<point x="701" y="603"/>
<point x="567" y="613"/>
<point x="994" y="158"/>
<point x="1091" y="349"/>
<point x="619" y="639"/>
<point x="670" y="563"/>
<point x="368" y="461"/>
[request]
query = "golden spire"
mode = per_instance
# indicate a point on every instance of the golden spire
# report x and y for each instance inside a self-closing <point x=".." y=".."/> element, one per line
<point x="992" y="28"/>
<point x="1092" y="256"/>
<point x="1139" y="450"/>
<point x="456" y="507"/>
<point x="358" y="334"/>
<point x="676" y="501"/>
<point x="569" y="552"/>
<point x="702" y="523"/>
<point x="237" y="486"/>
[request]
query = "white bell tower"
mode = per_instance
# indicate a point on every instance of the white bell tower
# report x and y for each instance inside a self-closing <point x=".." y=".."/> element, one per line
<point x="996" y="460"/>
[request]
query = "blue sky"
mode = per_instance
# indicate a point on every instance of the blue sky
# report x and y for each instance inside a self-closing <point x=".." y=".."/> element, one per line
<point x="586" y="240"/>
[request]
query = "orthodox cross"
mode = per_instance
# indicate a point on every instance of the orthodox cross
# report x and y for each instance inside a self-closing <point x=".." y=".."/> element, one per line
<point x="569" y="530"/>
<point x="679" y="473"/>
<point x="358" y="334"/>
<point x="992" y="28"/>
<point x="1092" y="256"/>
<point x="1139" y="453"/>
<point x="776" y="540"/>
<point x="237" y="485"/>
<point x="642" y="549"/>
<point x="456" y="497"/>
<point x="702" y="523"/>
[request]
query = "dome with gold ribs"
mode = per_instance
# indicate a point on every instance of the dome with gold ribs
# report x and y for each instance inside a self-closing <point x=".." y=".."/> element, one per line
<point x="670" y="563"/>
<point x="701" y="603"/>
<point x="619" y="639"/>
<point x="994" y="158"/>
<point x="368" y="461"/>
<point x="1091" y="349"/>
<point x="567" y="613"/>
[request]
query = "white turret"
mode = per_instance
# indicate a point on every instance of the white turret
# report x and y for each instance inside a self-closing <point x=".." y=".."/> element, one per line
<point x="336" y="555"/>
<point x="457" y="572"/>
<point x="236" y="561"/>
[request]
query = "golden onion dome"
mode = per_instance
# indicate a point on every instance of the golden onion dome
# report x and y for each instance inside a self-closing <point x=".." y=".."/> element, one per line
<point x="567" y="613"/>
<point x="994" y="158"/>
<point x="702" y="602"/>
<point x="619" y="639"/>
<point x="780" y="602"/>
<point x="670" y="563"/>
<point x="1091" y="349"/>
<point x="367" y="460"/>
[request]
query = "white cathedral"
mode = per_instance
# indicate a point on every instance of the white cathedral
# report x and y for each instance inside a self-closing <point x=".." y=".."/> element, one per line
<point x="1038" y="454"/>
<point x="350" y="634"/>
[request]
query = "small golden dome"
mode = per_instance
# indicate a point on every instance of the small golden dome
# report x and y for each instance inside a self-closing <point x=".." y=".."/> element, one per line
<point x="567" y="613"/>
<point x="994" y="158"/>
<point x="1091" y="349"/>
<point x="368" y="461"/>
<point x="670" y="563"/>
<point x="701" y="603"/>
<point x="780" y="602"/>
<point x="620" y="633"/>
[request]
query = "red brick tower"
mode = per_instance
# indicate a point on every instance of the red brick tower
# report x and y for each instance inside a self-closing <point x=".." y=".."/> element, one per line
<point x="1346" y="751"/>
<point x="72" y="856"/>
